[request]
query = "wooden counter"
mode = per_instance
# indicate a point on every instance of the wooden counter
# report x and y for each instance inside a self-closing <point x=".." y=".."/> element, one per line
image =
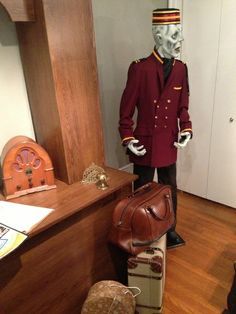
<point x="52" y="271"/>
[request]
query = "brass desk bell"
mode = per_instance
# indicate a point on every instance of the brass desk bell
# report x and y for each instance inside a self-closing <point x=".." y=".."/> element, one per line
<point x="102" y="181"/>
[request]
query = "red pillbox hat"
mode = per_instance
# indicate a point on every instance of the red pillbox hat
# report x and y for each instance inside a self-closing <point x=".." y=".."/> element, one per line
<point x="165" y="16"/>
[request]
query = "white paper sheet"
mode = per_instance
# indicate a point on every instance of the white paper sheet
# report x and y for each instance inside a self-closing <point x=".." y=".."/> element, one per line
<point x="10" y="239"/>
<point x="22" y="217"/>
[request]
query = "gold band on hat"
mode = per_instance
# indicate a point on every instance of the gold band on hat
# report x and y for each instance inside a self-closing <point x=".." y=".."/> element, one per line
<point x="165" y="16"/>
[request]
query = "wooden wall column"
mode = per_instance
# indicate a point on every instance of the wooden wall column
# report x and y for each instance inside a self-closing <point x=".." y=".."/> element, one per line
<point x="59" y="62"/>
<point x="19" y="10"/>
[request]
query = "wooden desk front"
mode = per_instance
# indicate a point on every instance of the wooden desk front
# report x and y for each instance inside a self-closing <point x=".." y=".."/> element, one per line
<point x="66" y="253"/>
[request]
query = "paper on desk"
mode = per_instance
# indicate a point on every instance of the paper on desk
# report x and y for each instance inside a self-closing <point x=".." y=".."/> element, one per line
<point x="22" y="217"/>
<point x="10" y="239"/>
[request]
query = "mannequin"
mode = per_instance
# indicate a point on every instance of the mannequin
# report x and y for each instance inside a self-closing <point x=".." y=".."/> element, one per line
<point x="157" y="86"/>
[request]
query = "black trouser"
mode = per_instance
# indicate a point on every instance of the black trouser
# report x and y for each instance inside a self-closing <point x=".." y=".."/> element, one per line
<point x="166" y="175"/>
<point x="231" y="298"/>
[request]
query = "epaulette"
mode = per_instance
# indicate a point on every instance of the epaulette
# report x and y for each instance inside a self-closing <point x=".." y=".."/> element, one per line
<point x="139" y="60"/>
<point x="180" y="61"/>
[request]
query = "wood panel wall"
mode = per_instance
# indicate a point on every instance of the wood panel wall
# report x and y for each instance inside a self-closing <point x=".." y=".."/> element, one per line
<point x="19" y="10"/>
<point x="59" y="60"/>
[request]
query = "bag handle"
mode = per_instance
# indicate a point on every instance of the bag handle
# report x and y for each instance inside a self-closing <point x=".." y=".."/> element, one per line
<point x="126" y="290"/>
<point x="126" y="216"/>
<point x="168" y="209"/>
<point x="143" y="189"/>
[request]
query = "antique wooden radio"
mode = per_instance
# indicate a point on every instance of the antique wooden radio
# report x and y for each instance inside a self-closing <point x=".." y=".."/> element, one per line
<point x="26" y="168"/>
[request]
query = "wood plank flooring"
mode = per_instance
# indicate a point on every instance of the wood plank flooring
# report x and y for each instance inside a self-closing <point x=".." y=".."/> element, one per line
<point x="199" y="274"/>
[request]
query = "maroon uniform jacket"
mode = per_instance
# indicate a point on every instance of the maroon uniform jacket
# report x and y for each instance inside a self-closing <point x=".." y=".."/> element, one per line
<point x="162" y="110"/>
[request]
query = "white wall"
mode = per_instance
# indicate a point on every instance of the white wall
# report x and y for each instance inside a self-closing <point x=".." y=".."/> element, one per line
<point x="15" y="117"/>
<point x="200" y="49"/>
<point x="207" y="166"/>
<point x="123" y="34"/>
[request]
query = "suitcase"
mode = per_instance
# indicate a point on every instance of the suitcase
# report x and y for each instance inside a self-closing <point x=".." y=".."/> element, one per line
<point x="147" y="272"/>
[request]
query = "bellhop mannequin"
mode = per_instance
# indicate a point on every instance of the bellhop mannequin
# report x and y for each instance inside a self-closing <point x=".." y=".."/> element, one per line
<point x="157" y="86"/>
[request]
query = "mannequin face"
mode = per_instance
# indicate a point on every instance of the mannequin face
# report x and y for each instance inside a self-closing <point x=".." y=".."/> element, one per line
<point x="168" y="40"/>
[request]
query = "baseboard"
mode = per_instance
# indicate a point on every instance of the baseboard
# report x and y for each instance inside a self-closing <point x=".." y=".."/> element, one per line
<point x="127" y="168"/>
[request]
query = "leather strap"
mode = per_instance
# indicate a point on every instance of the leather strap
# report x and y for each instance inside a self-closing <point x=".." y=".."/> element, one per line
<point x="126" y="215"/>
<point x="152" y="211"/>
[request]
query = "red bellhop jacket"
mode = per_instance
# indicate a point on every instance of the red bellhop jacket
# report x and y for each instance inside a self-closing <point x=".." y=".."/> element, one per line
<point x="162" y="110"/>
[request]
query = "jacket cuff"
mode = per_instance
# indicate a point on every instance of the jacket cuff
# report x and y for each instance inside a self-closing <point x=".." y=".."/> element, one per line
<point x="187" y="130"/>
<point x="126" y="140"/>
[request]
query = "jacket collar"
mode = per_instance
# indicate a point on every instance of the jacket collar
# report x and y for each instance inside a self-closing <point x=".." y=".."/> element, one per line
<point x="159" y="58"/>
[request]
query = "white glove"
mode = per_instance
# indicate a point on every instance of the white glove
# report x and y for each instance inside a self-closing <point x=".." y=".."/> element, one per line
<point x="137" y="150"/>
<point x="183" y="141"/>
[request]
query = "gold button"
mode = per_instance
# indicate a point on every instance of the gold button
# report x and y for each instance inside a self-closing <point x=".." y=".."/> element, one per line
<point x="155" y="117"/>
<point x="155" y="101"/>
<point x="166" y="117"/>
<point x="158" y="106"/>
<point x="169" y="101"/>
<point x="166" y="107"/>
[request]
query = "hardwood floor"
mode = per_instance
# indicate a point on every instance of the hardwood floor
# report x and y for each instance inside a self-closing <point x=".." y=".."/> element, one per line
<point x="199" y="274"/>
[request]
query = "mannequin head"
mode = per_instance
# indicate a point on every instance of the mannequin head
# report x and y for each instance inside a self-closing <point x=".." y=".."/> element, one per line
<point x="167" y="32"/>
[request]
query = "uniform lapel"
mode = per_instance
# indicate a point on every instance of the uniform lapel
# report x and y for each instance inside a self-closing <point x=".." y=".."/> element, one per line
<point x="164" y="87"/>
<point x="159" y="63"/>
<point x="169" y="79"/>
